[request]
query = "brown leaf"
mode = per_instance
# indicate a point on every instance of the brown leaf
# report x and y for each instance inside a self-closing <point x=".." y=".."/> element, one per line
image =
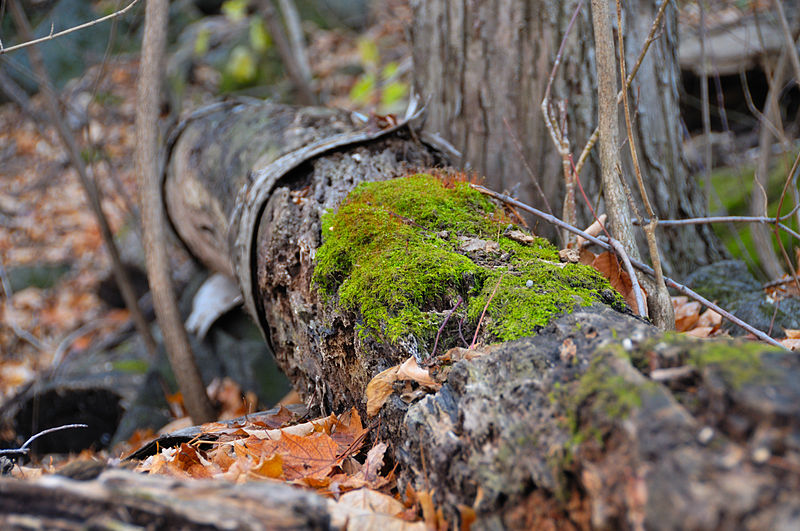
<point x="379" y="389"/>
<point x="710" y="318"/>
<point x="568" y="350"/>
<point x="700" y="331"/>
<point x="686" y="316"/>
<point x="410" y="370"/>
<point x="610" y="268"/>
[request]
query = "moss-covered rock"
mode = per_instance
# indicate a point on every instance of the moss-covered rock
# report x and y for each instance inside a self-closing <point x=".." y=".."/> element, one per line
<point x="401" y="254"/>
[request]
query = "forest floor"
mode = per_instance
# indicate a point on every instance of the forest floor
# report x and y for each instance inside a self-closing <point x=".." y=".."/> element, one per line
<point x="52" y="258"/>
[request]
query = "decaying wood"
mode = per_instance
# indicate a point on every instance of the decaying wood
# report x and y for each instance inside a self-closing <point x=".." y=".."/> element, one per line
<point x="121" y="499"/>
<point x="564" y="424"/>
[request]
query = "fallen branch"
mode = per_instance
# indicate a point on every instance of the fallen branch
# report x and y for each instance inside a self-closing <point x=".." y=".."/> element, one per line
<point x="639" y="265"/>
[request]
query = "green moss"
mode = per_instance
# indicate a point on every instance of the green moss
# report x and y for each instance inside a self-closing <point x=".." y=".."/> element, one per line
<point x="609" y="392"/>
<point x="599" y="394"/>
<point x="392" y="254"/>
<point x="739" y="362"/>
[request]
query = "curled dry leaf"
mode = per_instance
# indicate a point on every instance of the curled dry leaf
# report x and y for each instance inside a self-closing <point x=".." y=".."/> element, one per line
<point x="609" y="267"/>
<point x="687" y="316"/>
<point x="379" y="389"/>
<point x="592" y="230"/>
<point x="410" y="370"/>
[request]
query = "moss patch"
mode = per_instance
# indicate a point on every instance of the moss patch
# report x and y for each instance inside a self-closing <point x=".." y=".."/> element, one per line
<point x="738" y="362"/>
<point x="400" y="253"/>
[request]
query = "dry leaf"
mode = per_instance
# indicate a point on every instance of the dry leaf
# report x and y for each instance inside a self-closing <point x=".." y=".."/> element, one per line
<point x="379" y="389"/>
<point x="610" y="268"/>
<point x="791" y="344"/>
<point x="371" y="500"/>
<point x="709" y="318"/>
<point x="700" y="331"/>
<point x="410" y="370"/>
<point x="687" y="316"/>
<point x="568" y="350"/>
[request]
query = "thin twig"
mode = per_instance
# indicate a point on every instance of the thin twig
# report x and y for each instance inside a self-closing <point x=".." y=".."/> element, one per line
<point x="18" y="331"/>
<point x="789" y="44"/>
<point x="639" y="265"/>
<point x="661" y="309"/>
<point x="723" y="219"/>
<point x="436" y="342"/>
<point x="789" y="262"/>
<point x="24" y="448"/>
<point x="460" y="333"/>
<point x="52" y="35"/>
<point x="651" y="37"/>
<point x="559" y="134"/>
<point x="293" y="69"/>
<point x="488" y="302"/>
<point x="89" y="186"/>
<point x="637" y="290"/>
<point x="295" y="31"/>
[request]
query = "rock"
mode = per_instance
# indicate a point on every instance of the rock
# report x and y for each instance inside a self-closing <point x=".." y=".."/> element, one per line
<point x="735" y="289"/>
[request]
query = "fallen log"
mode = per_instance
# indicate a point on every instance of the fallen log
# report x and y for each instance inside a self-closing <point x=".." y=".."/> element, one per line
<point x="121" y="499"/>
<point x="581" y="412"/>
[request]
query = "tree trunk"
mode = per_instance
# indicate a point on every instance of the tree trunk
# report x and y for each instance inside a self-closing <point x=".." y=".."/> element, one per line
<point x="591" y="418"/>
<point x="480" y="64"/>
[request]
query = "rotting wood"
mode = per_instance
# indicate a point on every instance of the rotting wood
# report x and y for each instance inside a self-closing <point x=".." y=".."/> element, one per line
<point x="569" y="415"/>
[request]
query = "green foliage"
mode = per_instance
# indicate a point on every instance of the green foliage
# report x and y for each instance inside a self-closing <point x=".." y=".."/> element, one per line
<point x="378" y="86"/>
<point x="235" y="10"/>
<point x="734" y="187"/>
<point x="260" y="39"/>
<point x="391" y="254"/>
<point x="242" y="65"/>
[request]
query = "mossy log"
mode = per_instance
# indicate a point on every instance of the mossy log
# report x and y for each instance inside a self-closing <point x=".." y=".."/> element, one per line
<point x="579" y="411"/>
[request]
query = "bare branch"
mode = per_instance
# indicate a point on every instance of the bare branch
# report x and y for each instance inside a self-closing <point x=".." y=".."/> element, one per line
<point x="660" y="304"/>
<point x="637" y="264"/>
<point x="52" y="35"/>
<point x="148" y="163"/>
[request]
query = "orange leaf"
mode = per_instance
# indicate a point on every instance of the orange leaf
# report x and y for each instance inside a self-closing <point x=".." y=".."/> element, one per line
<point x="609" y="267"/>
<point x="379" y="389"/>
<point x="271" y="467"/>
<point x="686" y="316"/>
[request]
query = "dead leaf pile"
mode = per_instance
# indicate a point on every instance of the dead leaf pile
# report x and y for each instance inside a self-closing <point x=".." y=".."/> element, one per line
<point x="317" y="454"/>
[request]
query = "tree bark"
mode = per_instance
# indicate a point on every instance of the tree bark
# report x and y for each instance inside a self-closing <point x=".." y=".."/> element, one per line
<point x="480" y="63"/>
<point x="596" y="421"/>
